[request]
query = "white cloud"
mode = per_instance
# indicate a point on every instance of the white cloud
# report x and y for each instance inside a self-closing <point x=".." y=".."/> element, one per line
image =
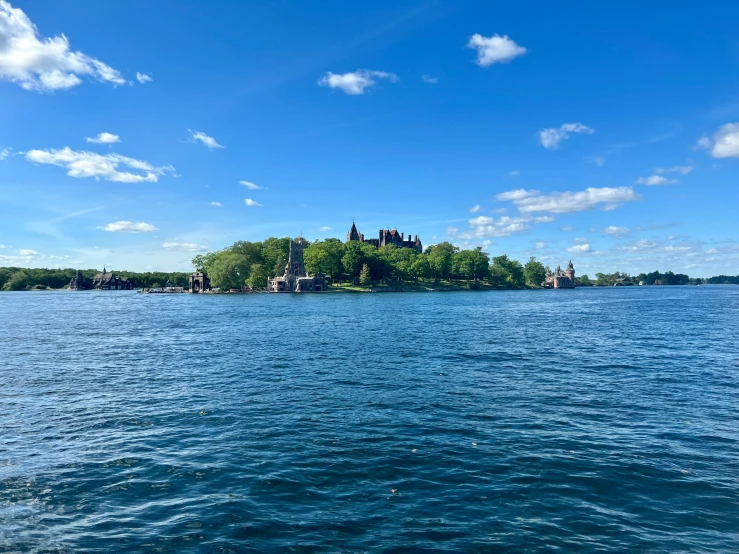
<point x="26" y="252"/>
<point x="43" y="64"/>
<point x="89" y="164"/>
<point x="567" y="202"/>
<point x="725" y="142"/>
<point x="616" y="231"/>
<point x="2" y="246"/>
<point x="250" y="185"/>
<point x="355" y="82"/>
<point x="494" y="49"/>
<point x="325" y="228"/>
<point x="104" y="138"/>
<point x="567" y="228"/>
<point x="550" y="138"/>
<point x="143" y="78"/>
<point x="206" y="140"/>
<point x="216" y="204"/>
<point x="249" y="202"/>
<point x="599" y="161"/>
<point x="579" y="248"/>
<point x="580" y="240"/>
<point x="684" y="169"/>
<point x="4" y="153"/>
<point x="540" y="244"/>
<point x="654" y="180"/>
<point x="128" y="227"/>
<point x="515" y="195"/>
<point x="485" y="227"/>
<point x="514" y="173"/>
<point x="474" y="209"/>
<point x="183" y="247"/>
<point x="429" y="79"/>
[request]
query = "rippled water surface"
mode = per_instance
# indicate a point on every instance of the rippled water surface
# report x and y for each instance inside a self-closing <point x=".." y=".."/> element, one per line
<point x="590" y="420"/>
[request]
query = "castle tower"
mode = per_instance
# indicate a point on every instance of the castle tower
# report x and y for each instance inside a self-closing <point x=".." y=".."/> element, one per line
<point x="570" y="272"/>
<point x="295" y="265"/>
<point x="353" y="234"/>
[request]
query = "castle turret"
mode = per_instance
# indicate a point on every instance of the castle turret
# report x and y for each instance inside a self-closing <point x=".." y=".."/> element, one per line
<point x="570" y="272"/>
<point x="353" y="234"/>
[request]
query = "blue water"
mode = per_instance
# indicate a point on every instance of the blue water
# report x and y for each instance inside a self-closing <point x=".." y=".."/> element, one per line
<point x="539" y="421"/>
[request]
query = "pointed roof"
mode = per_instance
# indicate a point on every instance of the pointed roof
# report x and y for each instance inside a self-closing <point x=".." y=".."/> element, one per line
<point x="570" y="266"/>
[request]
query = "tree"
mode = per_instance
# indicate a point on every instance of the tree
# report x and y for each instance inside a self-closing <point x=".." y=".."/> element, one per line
<point x="325" y="257"/>
<point x="356" y="254"/>
<point x="420" y="268"/>
<point x="583" y="281"/>
<point x="18" y="281"/>
<point x="258" y="276"/>
<point x="472" y="264"/>
<point x="203" y="262"/>
<point x="534" y="272"/>
<point x="230" y="271"/>
<point x="441" y="259"/>
<point x="365" y="276"/>
<point x="511" y="271"/>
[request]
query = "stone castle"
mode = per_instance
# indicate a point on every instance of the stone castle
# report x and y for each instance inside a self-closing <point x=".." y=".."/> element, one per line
<point x="560" y="279"/>
<point x="296" y="278"/>
<point x="102" y="281"/>
<point x="386" y="237"/>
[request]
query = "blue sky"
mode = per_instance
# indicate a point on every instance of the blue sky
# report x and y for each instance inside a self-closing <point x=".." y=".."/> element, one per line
<point x="605" y="133"/>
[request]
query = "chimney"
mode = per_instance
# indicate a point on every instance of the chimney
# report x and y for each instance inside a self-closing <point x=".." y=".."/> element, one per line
<point x="402" y="236"/>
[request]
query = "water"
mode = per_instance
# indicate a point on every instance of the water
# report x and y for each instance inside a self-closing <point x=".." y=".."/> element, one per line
<point x="589" y="420"/>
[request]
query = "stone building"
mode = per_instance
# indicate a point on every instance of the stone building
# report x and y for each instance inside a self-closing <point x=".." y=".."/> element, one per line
<point x="80" y="282"/>
<point x="296" y="278"/>
<point x="102" y="281"/>
<point x="199" y="282"/>
<point x="110" y="281"/>
<point x="386" y="236"/>
<point x="560" y="279"/>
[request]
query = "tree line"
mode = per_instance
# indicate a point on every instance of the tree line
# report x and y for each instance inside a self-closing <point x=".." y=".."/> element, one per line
<point x="252" y="263"/>
<point x="18" y="278"/>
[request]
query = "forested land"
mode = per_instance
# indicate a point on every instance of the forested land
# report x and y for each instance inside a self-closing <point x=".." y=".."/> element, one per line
<point x="353" y="263"/>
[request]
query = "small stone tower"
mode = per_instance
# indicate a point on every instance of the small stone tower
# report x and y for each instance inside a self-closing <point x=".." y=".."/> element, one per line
<point x="570" y="272"/>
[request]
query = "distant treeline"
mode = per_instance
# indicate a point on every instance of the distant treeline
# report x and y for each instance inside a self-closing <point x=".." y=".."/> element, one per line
<point x="252" y="263"/>
<point x="17" y="278"/>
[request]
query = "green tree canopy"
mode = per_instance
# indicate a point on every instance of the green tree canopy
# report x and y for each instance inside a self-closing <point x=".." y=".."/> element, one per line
<point x="534" y="272"/>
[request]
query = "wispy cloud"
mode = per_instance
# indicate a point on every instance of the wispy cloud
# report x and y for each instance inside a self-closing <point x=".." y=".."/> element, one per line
<point x="104" y="138"/>
<point x="551" y="137"/>
<point x="89" y="164"/>
<point x="606" y="198"/>
<point x="494" y="49"/>
<point x="4" y="153"/>
<point x="355" y="82"/>
<point x="205" y="140"/>
<point x="325" y="229"/>
<point x="514" y="173"/>
<point x="474" y="209"/>
<point x="216" y="204"/>
<point x="250" y="185"/>
<point x="599" y="161"/>
<point x="579" y="248"/>
<point x="429" y="79"/>
<point x="143" y="78"/>
<point x="44" y="64"/>
<point x="485" y="227"/>
<point x="128" y="227"/>
<point x="183" y="247"/>
<point x="654" y="180"/>
<point x="251" y="203"/>
<point x="615" y="231"/>
<point x="683" y="169"/>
